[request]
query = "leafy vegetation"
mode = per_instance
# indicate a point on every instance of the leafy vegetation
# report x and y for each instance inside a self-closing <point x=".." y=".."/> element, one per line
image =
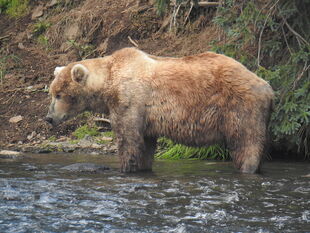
<point x="274" y="43"/>
<point x="109" y="134"/>
<point x="39" y="30"/>
<point x="272" y="40"/>
<point x="43" y="40"/>
<point x="167" y="149"/>
<point x="52" y="138"/>
<point x="14" y="8"/>
<point x="161" y="6"/>
<point x="84" y="50"/>
<point x="85" y="130"/>
<point x="104" y="137"/>
<point x="5" y="59"/>
<point x="41" y="27"/>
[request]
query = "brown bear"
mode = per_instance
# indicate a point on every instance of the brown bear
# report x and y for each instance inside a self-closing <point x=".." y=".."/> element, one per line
<point x="195" y="100"/>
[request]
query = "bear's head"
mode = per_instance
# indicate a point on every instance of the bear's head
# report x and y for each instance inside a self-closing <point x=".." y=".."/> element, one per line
<point x="69" y="93"/>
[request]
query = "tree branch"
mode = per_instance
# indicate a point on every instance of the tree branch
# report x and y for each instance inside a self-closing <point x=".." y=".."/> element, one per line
<point x="6" y="36"/>
<point x="261" y="33"/>
<point x="294" y="32"/>
<point x="133" y="42"/>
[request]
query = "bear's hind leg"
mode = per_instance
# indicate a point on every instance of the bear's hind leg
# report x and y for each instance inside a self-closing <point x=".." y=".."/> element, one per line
<point x="248" y="159"/>
<point x="247" y="138"/>
<point x="247" y="156"/>
<point x="247" y="150"/>
<point x="148" y="154"/>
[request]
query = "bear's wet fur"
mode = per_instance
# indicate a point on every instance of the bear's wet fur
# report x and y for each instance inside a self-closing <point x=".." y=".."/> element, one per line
<point x="196" y="100"/>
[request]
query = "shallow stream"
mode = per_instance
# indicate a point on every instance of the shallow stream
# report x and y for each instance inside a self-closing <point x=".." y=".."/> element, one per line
<point x="178" y="196"/>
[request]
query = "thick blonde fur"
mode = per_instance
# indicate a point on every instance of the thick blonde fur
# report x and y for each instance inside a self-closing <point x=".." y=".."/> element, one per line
<point x="195" y="100"/>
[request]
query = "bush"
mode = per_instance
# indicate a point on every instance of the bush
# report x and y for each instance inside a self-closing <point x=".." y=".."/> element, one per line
<point x="85" y="130"/>
<point x="274" y="42"/>
<point x="14" y="8"/>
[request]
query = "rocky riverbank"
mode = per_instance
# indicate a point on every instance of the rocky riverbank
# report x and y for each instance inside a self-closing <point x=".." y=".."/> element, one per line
<point x="88" y="144"/>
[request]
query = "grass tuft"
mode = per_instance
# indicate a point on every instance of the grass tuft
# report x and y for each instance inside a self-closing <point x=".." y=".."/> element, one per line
<point x="169" y="150"/>
<point x="85" y="130"/>
<point x="14" y="8"/>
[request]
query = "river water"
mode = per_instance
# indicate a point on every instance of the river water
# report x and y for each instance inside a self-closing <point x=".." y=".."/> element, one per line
<point x="178" y="196"/>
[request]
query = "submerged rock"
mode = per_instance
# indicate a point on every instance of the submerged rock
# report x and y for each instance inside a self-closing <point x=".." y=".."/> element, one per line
<point x="85" y="167"/>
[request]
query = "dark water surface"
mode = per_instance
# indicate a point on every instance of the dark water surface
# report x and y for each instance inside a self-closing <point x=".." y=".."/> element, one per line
<point x="179" y="196"/>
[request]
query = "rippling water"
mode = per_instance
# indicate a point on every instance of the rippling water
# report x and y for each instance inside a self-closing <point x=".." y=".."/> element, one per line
<point x="179" y="196"/>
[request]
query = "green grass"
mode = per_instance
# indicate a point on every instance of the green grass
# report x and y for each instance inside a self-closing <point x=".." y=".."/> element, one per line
<point x="38" y="31"/>
<point x="43" y="40"/>
<point x="109" y="134"/>
<point x="14" y="8"/>
<point x="84" y="50"/>
<point x="85" y="130"/>
<point x="4" y="60"/>
<point x="102" y="142"/>
<point x="74" y="142"/>
<point x="52" y="138"/>
<point x="169" y="150"/>
<point x="41" y="27"/>
<point x="2" y="72"/>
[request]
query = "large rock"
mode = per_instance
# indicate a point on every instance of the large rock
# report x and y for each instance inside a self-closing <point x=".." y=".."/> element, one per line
<point x="9" y="154"/>
<point x="85" y="167"/>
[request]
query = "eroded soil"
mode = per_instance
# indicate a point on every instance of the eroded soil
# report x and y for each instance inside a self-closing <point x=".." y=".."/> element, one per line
<point x="80" y="30"/>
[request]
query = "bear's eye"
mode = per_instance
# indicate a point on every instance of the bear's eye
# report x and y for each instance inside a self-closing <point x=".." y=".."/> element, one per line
<point x="58" y="96"/>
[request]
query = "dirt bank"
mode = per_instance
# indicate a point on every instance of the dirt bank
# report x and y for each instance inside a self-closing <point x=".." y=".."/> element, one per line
<point x="52" y="34"/>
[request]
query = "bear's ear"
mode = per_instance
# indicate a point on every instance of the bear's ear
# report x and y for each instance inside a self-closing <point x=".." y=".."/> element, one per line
<point x="79" y="74"/>
<point x="58" y="70"/>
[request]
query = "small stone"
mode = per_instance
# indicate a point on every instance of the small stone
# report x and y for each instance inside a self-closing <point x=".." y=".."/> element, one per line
<point x="62" y="139"/>
<point x="52" y="3"/>
<point x="37" y="12"/>
<point x="72" y="32"/>
<point x="29" y="35"/>
<point x="95" y="146"/>
<point x="16" y="119"/>
<point x="103" y="138"/>
<point x="21" y="46"/>
<point x="32" y="135"/>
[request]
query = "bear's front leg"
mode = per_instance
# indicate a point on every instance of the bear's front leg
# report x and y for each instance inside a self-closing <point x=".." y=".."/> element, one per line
<point x="130" y="154"/>
<point x="135" y="150"/>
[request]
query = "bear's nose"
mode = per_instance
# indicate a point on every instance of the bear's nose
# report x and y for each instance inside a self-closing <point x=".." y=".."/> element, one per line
<point x="49" y="120"/>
